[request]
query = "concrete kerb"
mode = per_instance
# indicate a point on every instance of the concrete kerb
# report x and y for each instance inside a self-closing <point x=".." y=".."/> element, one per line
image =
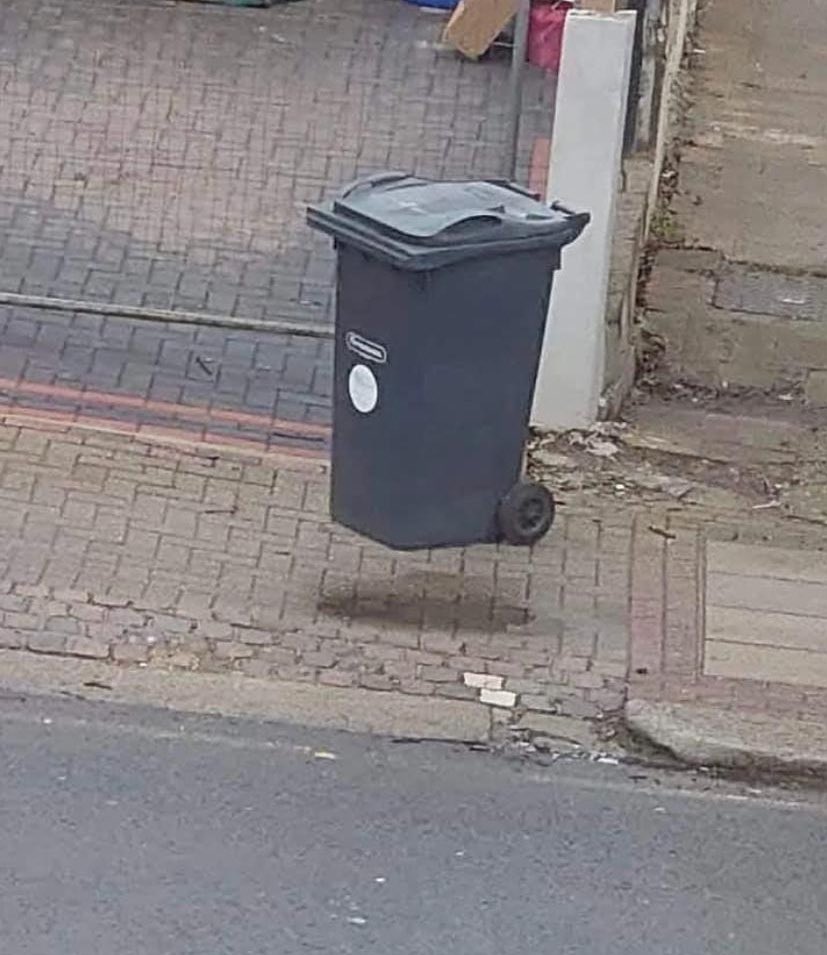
<point x="747" y="742"/>
<point x="355" y="710"/>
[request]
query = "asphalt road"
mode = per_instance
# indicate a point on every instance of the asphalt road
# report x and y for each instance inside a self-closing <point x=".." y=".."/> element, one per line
<point x="146" y="833"/>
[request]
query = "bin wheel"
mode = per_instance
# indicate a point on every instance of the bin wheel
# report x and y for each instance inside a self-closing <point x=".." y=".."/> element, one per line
<point x="525" y="514"/>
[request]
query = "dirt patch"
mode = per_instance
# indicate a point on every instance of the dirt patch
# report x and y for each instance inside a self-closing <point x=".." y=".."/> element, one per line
<point x="747" y="454"/>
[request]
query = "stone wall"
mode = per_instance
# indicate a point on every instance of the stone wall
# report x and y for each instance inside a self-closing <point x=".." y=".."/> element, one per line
<point x="667" y="27"/>
<point x="621" y="306"/>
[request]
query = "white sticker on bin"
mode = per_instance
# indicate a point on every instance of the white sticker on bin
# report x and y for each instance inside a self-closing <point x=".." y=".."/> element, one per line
<point x="365" y="348"/>
<point x="363" y="388"/>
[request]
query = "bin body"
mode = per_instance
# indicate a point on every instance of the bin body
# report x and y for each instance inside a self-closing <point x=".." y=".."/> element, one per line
<point x="433" y="381"/>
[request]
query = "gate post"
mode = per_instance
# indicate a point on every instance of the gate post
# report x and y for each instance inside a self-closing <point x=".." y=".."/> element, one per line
<point x="584" y="173"/>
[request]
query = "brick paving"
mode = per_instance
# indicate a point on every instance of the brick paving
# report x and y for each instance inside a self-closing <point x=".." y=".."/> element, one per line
<point x="732" y="617"/>
<point x="163" y="155"/>
<point x="128" y="550"/>
<point x="264" y="388"/>
<point x="140" y="551"/>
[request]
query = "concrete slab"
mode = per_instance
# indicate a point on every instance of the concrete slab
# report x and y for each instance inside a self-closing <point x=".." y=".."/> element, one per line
<point x="768" y="664"/>
<point x="357" y="710"/>
<point x="766" y="292"/>
<point x="748" y="560"/>
<point x="752" y="190"/>
<point x="754" y="184"/>
<point x="707" y="736"/>
<point x="756" y="593"/>
<point x="761" y="628"/>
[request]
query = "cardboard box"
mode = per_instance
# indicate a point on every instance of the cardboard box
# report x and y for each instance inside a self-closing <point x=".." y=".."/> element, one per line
<point x="475" y="24"/>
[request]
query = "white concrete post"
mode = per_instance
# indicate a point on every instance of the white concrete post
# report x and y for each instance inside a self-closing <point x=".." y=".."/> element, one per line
<point x="584" y="173"/>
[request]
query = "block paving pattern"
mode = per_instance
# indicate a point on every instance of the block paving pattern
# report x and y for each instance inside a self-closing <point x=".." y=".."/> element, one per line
<point x="163" y="155"/>
<point x="138" y="551"/>
<point x="122" y="549"/>
<point x="238" y="386"/>
<point x="685" y="574"/>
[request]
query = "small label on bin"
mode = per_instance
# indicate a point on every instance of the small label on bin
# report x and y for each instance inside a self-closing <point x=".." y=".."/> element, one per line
<point x="363" y="388"/>
<point x="365" y="348"/>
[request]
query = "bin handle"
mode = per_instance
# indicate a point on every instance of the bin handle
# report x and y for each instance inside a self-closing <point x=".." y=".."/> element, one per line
<point x="371" y="182"/>
<point x="514" y="187"/>
<point x="559" y="207"/>
<point x="578" y="219"/>
<point x="575" y="216"/>
<point x="476" y="218"/>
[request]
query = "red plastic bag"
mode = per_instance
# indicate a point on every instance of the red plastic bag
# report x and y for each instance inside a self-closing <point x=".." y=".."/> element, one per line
<point x="545" y="33"/>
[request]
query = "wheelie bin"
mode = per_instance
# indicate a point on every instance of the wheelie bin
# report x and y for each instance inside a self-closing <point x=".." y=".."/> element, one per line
<point x="441" y="300"/>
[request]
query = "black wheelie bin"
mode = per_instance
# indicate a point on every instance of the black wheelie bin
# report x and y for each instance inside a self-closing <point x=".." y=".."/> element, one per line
<point x="442" y="296"/>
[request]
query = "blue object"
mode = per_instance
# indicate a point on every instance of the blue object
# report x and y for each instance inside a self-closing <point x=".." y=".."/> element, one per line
<point x="437" y="4"/>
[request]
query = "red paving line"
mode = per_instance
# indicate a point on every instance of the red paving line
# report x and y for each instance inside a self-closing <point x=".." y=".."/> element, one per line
<point x="167" y="408"/>
<point x="70" y="419"/>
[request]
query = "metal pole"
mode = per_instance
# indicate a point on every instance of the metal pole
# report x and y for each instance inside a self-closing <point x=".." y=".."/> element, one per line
<point x="515" y="89"/>
<point x="168" y="316"/>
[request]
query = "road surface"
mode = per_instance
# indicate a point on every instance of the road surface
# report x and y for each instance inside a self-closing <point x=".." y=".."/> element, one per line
<point x="140" y="832"/>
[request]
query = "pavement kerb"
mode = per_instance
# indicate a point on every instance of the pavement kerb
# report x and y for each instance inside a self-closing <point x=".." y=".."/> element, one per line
<point x="754" y="742"/>
<point x="232" y="694"/>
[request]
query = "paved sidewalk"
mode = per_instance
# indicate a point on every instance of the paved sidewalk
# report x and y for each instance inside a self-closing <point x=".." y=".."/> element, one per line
<point x="166" y="152"/>
<point x="766" y="614"/>
<point x="738" y="624"/>
<point x="728" y="651"/>
<point x="143" y="552"/>
<point x="260" y="389"/>
<point x="164" y="157"/>
<point x="729" y="621"/>
<point x="729" y="626"/>
<point x="728" y="598"/>
<point x="123" y="549"/>
<point x="741" y="299"/>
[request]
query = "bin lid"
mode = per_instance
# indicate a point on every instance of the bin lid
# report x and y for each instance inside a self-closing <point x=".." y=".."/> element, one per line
<point x="424" y="224"/>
